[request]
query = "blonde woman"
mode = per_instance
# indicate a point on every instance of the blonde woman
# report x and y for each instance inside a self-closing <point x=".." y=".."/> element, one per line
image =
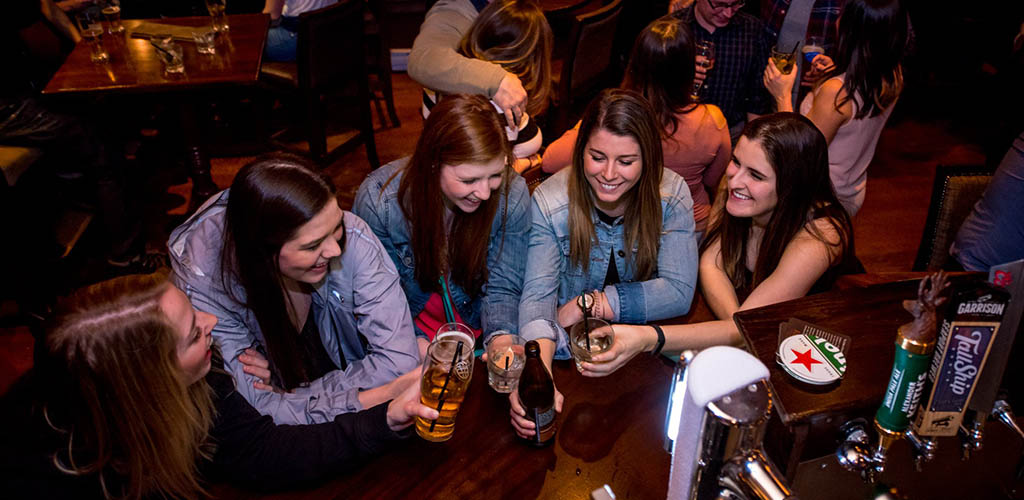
<point x="128" y="401"/>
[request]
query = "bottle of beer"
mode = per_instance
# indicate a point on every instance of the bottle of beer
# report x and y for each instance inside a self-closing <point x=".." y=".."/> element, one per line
<point x="537" y="394"/>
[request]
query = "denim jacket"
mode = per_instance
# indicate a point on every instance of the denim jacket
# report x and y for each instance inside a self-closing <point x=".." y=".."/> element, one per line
<point x="551" y="280"/>
<point x="497" y="307"/>
<point x="361" y="315"/>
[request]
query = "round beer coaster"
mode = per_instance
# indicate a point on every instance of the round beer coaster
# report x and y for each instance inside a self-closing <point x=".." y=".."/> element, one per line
<point x="811" y="359"/>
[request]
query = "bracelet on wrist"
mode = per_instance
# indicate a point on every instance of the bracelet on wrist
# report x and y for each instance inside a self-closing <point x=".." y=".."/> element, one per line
<point x="661" y="340"/>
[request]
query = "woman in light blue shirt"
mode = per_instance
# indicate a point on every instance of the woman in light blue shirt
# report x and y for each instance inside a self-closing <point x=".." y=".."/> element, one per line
<point x="616" y="224"/>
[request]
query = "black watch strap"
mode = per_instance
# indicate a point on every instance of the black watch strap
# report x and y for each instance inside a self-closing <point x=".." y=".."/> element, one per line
<point x="661" y="339"/>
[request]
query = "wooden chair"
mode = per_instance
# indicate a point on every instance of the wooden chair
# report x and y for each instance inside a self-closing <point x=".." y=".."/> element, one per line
<point x="378" y="32"/>
<point x="955" y="191"/>
<point x="584" y="72"/>
<point x="329" y="65"/>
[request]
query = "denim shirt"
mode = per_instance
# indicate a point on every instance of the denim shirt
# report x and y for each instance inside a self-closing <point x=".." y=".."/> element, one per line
<point x="551" y="280"/>
<point x="497" y="306"/>
<point x="359" y="309"/>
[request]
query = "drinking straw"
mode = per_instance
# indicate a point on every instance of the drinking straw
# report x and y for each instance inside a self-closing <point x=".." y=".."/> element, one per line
<point x="506" y="362"/>
<point x="447" y="378"/>
<point x="586" y="323"/>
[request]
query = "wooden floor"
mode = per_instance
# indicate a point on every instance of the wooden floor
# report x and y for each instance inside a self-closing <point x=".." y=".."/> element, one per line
<point x="887" y="229"/>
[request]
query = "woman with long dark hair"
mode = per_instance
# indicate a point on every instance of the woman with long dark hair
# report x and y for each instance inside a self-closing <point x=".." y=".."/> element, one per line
<point x="454" y="218"/>
<point x="128" y="401"/>
<point x="783" y="235"/>
<point x="851" y="102"/>
<point x="616" y="225"/>
<point x="293" y="277"/>
<point x="695" y="136"/>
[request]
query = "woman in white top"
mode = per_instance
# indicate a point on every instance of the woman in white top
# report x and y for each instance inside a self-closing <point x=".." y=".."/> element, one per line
<point x="853" y="100"/>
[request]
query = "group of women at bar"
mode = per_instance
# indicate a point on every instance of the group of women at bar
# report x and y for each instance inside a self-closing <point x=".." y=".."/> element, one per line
<point x="287" y="341"/>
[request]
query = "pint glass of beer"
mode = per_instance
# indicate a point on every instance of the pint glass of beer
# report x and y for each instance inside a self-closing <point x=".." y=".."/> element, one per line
<point x="446" y="374"/>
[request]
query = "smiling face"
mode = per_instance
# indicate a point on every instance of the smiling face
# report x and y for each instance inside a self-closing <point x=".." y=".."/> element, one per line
<point x="612" y="164"/>
<point x="466" y="186"/>
<point x="751" y="183"/>
<point x="193" y="337"/>
<point x="305" y="257"/>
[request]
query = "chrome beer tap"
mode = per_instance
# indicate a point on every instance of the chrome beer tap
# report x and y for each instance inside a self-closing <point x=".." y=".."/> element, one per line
<point x="724" y="404"/>
<point x="1002" y="412"/>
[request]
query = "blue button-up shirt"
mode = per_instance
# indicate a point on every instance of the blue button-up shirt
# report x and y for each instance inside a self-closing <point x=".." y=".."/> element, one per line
<point x="551" y="279"/>
<point x="497" y="307"/>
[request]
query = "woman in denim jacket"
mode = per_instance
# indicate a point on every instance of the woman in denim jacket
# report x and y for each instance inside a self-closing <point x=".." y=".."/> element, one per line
<point x="616" y="223"/>
<point x="454" y="212"/>
<point x="291" y="276"/>
<point x="783" y="234"/>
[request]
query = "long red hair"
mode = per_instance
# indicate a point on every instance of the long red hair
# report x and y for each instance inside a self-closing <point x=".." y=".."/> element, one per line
<point x="461" y="129"/>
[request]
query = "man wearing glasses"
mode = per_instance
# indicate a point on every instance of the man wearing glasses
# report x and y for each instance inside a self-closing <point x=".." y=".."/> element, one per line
<point x="734" y="81"/>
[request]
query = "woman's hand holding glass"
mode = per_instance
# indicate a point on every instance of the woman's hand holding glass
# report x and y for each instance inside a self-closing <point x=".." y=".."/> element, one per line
<point x="780" y="86"/>
<point x="406" y="405"/>
<point x="630" y="340"/>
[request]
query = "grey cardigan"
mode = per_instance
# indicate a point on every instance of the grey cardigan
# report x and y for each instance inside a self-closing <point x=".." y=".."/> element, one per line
<point x="363" y="316"/>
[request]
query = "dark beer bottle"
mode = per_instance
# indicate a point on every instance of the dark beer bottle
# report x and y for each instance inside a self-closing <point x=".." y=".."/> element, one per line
<point x="537" y="394"/>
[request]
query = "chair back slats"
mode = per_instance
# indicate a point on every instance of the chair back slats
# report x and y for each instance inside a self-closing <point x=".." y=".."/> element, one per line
<point x="955" y="191"/>
<point x="593" y="42"/>
<point x="330" y="45"/>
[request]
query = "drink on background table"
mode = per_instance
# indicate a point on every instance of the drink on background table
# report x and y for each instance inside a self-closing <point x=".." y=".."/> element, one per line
<point x="505" y="359"/>
<point x="205" y="41"/>
<point x="170" y="53"/>
<point x="537" y="395"/>
<point x="601" y="338"/>
<point x="216" y="9"/>
<point x="90" y="25"/>
<point x="447" y="370"/>
<point x="94" y="37"/>
<point x="112" y="13"/>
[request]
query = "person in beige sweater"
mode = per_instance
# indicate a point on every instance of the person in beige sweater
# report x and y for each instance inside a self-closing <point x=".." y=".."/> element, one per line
<point x="436" y="63"/>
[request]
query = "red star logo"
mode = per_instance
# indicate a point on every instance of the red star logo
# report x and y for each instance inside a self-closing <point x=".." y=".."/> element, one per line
<point x="804" y="358"/>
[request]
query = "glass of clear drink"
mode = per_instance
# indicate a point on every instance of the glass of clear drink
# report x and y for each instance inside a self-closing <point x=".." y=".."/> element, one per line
<point x="704" y="52"/>
<point x="91" y="27"/>
<point x="783" y="60"/>
<point x="601" y="338"/>
<point x="205" y="41"/>
<point x="505" y="359"/>
<point x="447" y="370"/>
<point x="219" y="19"/>
<point x="170" y="54"/>
<point x="112" y="13"/>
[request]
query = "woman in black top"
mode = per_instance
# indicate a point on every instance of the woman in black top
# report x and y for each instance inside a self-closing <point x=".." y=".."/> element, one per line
<point x="124" y="404"/>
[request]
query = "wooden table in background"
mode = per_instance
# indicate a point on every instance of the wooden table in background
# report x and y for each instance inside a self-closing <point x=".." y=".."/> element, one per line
<point x="134" y="67"/>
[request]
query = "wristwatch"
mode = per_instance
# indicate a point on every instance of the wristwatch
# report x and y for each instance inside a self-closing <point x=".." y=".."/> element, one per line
<point x="586" y="303"/>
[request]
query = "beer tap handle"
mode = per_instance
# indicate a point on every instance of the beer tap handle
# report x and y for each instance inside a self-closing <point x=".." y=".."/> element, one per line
<point x="924" y="449"/>
<point x="1002" y="412"/>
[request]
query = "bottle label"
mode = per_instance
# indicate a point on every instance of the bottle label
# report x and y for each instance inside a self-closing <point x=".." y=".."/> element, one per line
<point x="543" y="418"/>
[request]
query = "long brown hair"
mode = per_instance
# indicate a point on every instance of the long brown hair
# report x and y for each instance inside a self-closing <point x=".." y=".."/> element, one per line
<point x="270" y="198"/>
<point x="117" y="394"/>
<point x="798" y="153"/>
<point x="461" y="129"/>
<point x="872" y="42"/>
<point x="661" y="68"/>
<point x="624" y="113"/>
<point x="515" y="35"/>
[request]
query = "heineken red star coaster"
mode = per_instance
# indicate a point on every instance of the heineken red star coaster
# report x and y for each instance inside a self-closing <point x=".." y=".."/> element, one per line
<point x="810" y="354"/>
